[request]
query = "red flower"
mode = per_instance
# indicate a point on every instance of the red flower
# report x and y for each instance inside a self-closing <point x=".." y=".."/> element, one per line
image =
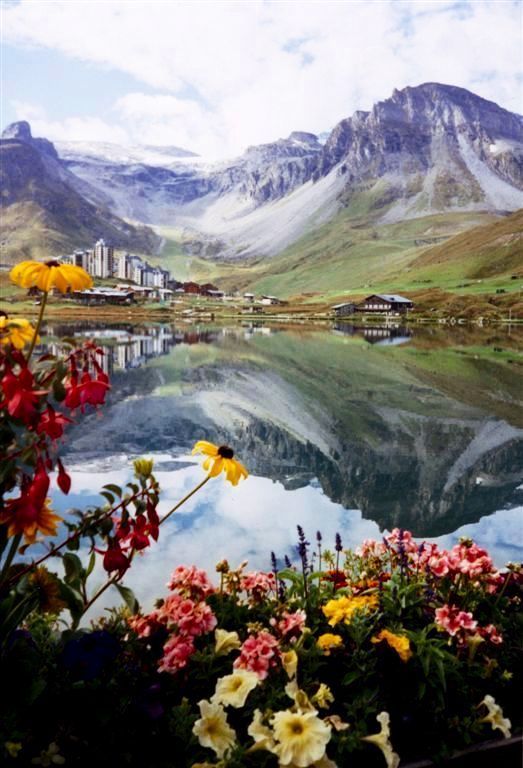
<point x="20" y="396"/>
<point x="30" y="512"/>
<point x="52" y="423"/>
<point x="114" y="558"/>
<point x="63" y="480"/>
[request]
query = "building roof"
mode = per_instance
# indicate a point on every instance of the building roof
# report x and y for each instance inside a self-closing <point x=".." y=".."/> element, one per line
<point x="344" y="304"/>
<point x="391" y="297"/>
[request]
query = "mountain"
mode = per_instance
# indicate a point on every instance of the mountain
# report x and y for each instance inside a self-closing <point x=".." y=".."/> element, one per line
<point x="428" y="149"/>
<point x="48" y="210"/>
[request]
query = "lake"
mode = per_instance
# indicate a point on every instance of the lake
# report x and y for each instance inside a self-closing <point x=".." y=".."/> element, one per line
<point x="349" y="429"/>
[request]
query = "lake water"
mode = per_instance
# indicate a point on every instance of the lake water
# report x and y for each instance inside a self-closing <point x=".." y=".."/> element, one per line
<point x="344" y="429"/>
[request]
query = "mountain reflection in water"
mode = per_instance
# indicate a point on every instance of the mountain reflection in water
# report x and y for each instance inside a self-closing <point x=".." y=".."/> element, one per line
<point x="426" y="435"/>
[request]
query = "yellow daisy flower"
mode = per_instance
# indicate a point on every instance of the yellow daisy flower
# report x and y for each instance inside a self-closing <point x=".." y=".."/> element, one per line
<point x="400" y="643"/>
<point x="220" y="458"/>
<point x="16" y="331"/>
<point x="328" y="641"/>
<point x="50" y="274"/>
<point x="344" y="608"/>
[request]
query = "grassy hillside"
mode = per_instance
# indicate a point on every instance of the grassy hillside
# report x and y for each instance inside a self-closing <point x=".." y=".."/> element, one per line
<point x="459" y="252"/>
<point x="343" y="255"/>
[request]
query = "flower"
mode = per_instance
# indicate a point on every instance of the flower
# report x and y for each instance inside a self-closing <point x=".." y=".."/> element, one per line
<point x="327" y="642"/>
<point x="47" y="589"/>
<point x="343" y="608"/>
<point x="49" y="756"/>
<point x="143" y="467"/>
<point x="323" y="696"/>
<point x="220" y="458"/>
<point x="289" y="662"/>
<point x="258" y="653"/>
<point x="50" y="274"/>
<point x="382" y="741"/>
<point x="262" y="735"/>
<point x="451" y="619"/>
<point x="16" y="331"/>
<point x="291" y="625"/>
<point x="400" y="643"/>
<point x="301" y="738"/>
<point x="212" y="729"/>
<point x="176" y="653"/>
<point x="495" y="716"/>
<point x="13" y="748"/>
<point x="31" y="512"/>
<point x="232" y="690"/>
<point x="225" y="642"/>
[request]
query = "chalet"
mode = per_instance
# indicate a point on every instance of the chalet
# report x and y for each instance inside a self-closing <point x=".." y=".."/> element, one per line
<point x="271" y="300"/>
<point x="191" y="287"/>
<point x="341" y="310"/>
<point x="383" y="303"/>
<point x="208" y="289"/>
<point x="248" y="297"/>
<point x="93" y="296"/>
<point x="215" y="294"/>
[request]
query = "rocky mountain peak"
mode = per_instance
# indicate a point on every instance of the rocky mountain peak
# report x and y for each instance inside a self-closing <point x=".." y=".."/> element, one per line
<point x="21" y="131"/>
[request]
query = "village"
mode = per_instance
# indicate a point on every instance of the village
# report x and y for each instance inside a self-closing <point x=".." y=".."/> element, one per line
<point x="137" y="282"/>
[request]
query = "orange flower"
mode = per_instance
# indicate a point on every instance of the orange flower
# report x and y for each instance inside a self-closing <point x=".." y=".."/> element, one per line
<point x="50" y="274"/>
<point x="220" y="459"/>
<point x="400" y="643"/>
<point x="26" y="519"/>
<point x="31" y="512"/>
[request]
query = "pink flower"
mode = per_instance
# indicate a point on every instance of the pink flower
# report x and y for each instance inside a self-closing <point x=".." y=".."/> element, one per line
<point x="258" y="584"/>
<point x="290" y="624"/>
<point x="371" y="548"/>
<point x="258" y="654"/>
<point x="451" y="619"/>
<point x="177" y="652"/>
<point x="491" y="633"/>
<point x="191" y="581"/>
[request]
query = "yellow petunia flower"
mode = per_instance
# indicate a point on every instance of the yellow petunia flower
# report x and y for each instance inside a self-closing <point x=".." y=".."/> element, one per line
<point x="212" y="729"/>
<point x="382" y="741"/>
<point x="301" y="738"/>
<point x="400" y="643"/>
<point x="344" y="608"/>
<point x="495" y="716"/>
<point x="50" y="274"/>
<point x="328" y="642"/>
<point x="16" y="331"/>
<point x="232" y="690"/>
<point x="220" y="458"/>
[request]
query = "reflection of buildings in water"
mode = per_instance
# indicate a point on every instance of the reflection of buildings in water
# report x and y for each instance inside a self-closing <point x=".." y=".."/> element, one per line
<point x="392" y="333"/>
<point x="130" y="347"/>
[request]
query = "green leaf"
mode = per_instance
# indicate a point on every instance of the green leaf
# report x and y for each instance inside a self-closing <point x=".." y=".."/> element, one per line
<point x="128" y="597"/>
<point x="114" y="489"/>
<point x="90" y="565"/>
<point x="73" y="568"/>
<point x="59" y="392"/>
<point x="73" y="600"/>
<point x="108" y="496"/>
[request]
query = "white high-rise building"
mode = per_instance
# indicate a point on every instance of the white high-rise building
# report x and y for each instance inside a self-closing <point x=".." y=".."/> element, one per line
<point x="103" y="265"/>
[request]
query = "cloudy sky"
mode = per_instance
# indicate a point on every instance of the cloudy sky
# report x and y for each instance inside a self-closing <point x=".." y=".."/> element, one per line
<point x="217" y="76"/>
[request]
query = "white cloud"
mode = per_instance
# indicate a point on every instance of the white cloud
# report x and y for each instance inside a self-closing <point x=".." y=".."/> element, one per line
<point x="77" y="128"/>
<point x="231" y="74"/>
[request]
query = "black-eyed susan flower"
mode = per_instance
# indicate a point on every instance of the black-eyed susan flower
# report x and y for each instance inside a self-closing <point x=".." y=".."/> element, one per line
<point x="16" y="331"/>
<point x="50" y="274"/>
<point x="220" y="458"/>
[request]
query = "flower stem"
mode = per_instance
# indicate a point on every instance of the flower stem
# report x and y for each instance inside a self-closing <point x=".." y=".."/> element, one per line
<point x="38" y="324"/>
<point x="185" y="498"/>
<point x="10" y="555"/>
